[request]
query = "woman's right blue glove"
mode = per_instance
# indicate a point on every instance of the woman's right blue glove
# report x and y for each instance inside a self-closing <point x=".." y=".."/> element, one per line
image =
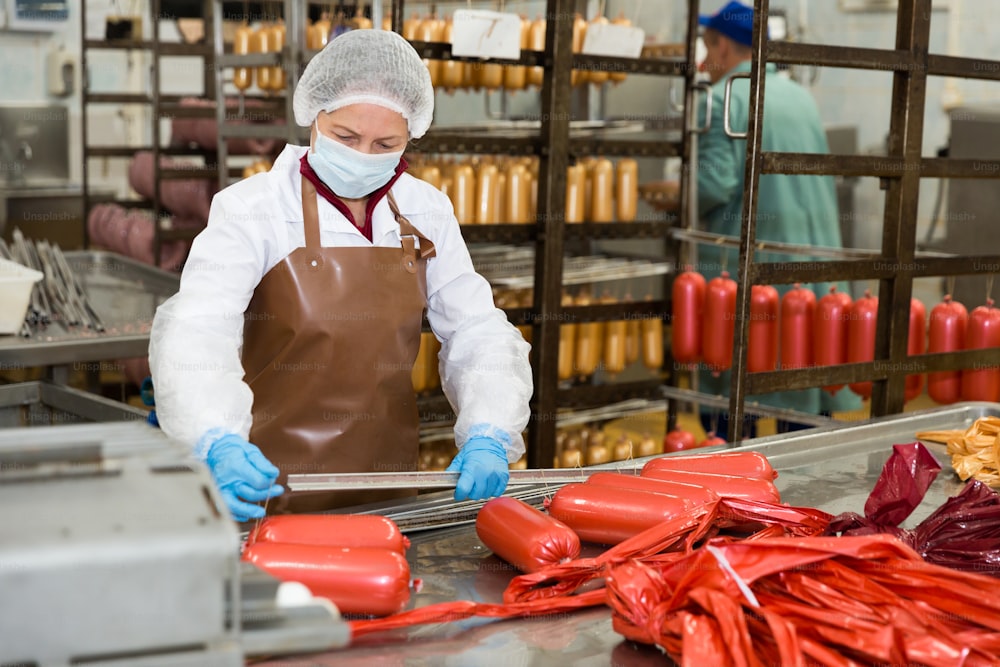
<point x="242" y="473"/>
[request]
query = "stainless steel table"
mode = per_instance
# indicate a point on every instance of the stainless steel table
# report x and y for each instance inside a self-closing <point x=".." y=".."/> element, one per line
<point x="830" y="468"/>
<point x="124" y="293"/>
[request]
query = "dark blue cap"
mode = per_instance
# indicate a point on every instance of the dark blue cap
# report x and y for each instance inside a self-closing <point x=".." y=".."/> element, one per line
<point x="735" y="21"/>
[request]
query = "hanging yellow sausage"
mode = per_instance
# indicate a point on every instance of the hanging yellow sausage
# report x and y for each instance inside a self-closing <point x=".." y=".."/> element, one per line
<point x="615" y="333"/>
<point x="652" y="343"/>
<point x="387" y="22"/>
<point x="242" y="78"/>
<point x="464" y="194"/>
<point x="618" y="77"/>
<point x="418" y="374"/>
<point x="360" y="21"/>
<point x="432" y="175"/>
<point x="567" y="344"/>
<point x="575" y="192"/>
<point x="598" y="76"/>
<point x="262" y="39"/>
<point x="601" y="191"/>
<point x="536" y="42"/>
<point x="626" y="189"/>
<point x="650" y="446"/>
<point x="410" y="27"/>
<point x="450" y="71"/>
<point x="579" y="34"/>
<point x="321" y="31"/>
<point x="447" y="187"/>
<point x="486" y="194"/>
<point x="518" y="196"/>
<point x="588" y="341"/>
<point x="515" y="77"/>
<point x="490" y="76"/>
<point x="277" y="45"/>
<point x="632" y="337"/>
<point x="430" y="30"/>
<point x="433" y="376"/>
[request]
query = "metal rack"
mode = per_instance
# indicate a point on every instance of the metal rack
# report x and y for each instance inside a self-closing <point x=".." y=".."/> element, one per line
<point x="900" y="173"/>
<point x="161" y="106"/>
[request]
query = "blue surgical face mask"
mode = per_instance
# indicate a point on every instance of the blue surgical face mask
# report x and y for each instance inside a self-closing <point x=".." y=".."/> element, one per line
<point x="350" y="173"/>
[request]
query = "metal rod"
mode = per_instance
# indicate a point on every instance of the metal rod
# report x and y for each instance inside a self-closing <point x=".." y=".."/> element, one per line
<point x="423" y="480"/>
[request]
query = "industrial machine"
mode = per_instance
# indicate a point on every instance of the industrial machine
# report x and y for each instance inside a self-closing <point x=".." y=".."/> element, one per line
<point x="117" y="549"/>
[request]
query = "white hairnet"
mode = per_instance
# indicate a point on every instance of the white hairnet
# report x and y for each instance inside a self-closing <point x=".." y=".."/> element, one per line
<point x="367" y="66"/>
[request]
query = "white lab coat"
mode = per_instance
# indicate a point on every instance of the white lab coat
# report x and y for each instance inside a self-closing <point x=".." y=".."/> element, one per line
<point x="194" y="349"/>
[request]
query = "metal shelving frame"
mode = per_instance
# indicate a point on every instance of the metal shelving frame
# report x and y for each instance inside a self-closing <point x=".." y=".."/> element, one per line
<point x="161" y="106"/>
<point x="900" y="173"/>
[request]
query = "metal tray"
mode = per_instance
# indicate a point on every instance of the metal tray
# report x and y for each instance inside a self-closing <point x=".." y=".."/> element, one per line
<point x="124" y="293"/>
<point x="832" y="468"/>
<point x="45" y="404"/>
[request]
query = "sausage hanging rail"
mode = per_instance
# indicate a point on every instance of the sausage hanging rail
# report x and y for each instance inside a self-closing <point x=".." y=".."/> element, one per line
<point x="424" y="480"/>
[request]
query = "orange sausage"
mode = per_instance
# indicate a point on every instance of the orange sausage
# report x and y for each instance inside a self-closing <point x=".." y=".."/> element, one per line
<point x="536" y="42"/>
<point x="626" y="189"/>
<point x="464" y="199"/>
<point x="601" y="191"/>
<point x="242" y="77"/>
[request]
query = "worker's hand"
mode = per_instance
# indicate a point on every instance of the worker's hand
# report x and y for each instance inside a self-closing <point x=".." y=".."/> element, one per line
<point x="242" y="473"/>
<point x="482" y="463"/>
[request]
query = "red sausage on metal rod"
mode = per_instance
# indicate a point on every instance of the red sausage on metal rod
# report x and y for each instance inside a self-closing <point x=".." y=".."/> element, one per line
<point x="523" y="536"/>
<point x="688" y="303"/>
<point x="694" y="492"/>
<point x="331" y="530"/>
<point x="742" y="464"/>
<point x="362" y="580"/>
<point x="727" y="486"/>
<point x="609" y="515"/>
<point x="947" y="334"/>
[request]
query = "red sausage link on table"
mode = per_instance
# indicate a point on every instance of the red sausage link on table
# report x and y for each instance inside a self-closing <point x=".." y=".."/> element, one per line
<point x="742" y="464"/>
<point x="727" y="486"/>
<point x="331" y="530"/>
<point x="609" y="515"/>
<point x="830" y="331"/>
<point x="718" y="326"/>
<point x="947" y="334"/>
<point x="688" y="305"/>
<point x="861" y="337"/>
<point x="678" y="440"/>
<point x="362" y="580"/>
<point x="915" y="344"/>
<point x="762" y="351"/>
<point x="523" y="536"/>
<point x="798" y="308"/>
<point x="694" y="492"/>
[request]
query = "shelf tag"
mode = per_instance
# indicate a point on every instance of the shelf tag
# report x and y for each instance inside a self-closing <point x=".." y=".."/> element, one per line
<point x="618" y="41"/>
<point x="486" y="34"/>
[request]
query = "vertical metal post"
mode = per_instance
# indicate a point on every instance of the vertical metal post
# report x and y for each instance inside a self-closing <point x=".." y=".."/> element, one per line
<point x="906" y="127"/>
<point x="219" y="48"/>
<point x="155" y="113"/>
<point x="84" y="103"/>
<point x="748" y="234"/>
<point x="397" y="16"/>
<point x="554" y="137"/>
<point x="292" y="62"/>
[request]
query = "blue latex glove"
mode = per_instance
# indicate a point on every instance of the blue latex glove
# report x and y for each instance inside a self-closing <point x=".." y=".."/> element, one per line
<point x="482" y="463"/>
<point x="242" y="473"/>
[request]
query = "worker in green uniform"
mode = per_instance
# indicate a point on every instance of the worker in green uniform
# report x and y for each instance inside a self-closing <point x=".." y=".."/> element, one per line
<point x="791" y="208"/>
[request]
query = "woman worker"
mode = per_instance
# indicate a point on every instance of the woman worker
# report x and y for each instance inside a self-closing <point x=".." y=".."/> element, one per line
<point x="289" y="346"/>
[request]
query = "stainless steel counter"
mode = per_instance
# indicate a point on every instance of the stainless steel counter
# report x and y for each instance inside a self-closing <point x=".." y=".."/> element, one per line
<point x="124" y="293"/>
<point x="831" y="468"/>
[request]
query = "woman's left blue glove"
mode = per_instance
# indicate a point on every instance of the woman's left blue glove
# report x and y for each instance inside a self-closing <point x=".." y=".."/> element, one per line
<point x="482" y="463"/>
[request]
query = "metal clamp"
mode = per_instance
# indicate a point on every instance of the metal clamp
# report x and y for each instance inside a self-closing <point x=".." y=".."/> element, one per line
<point x="707" y="89"/>
<point x="725" y="106"/>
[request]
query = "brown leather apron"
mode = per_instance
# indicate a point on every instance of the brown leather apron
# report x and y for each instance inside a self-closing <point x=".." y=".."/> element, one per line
<point x="329" y="342"/>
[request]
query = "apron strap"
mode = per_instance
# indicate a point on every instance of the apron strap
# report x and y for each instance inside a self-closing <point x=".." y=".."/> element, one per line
<point x="406" y="229"/>
<point x="310" y="214"/>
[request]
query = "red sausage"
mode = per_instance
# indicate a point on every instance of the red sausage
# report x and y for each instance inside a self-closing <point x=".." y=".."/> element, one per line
<point x="524" y="537"/>
<point x="688" y="305"/>
<point x="727" y="486"/>
<point x="711" y="440"/>
<point x="331" y="530"/>
<point x="693" y="492"/>
<point x="762" y="353"/>
<point x="830" y="331"/>
<point x="798" y="307"/>
<point x="678" y="440"/>
<point x="861" y="337"/>
<point x="739" y="463"/>
<point x="362" y="580"/>
<point x="915" y="344"/>
<point x="947" y="334"/>
<point x="719" y="323"/>
<point x="609" y="515"/>
<point x="982" y="331"/>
